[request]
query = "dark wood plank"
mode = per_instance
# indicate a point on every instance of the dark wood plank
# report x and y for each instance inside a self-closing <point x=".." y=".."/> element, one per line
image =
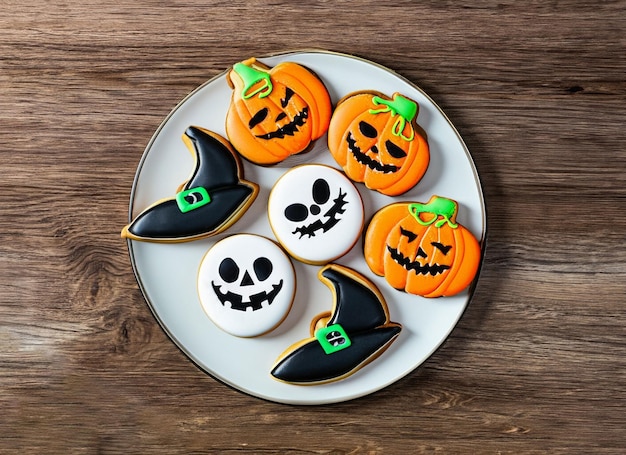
<point x="536" y="364"/>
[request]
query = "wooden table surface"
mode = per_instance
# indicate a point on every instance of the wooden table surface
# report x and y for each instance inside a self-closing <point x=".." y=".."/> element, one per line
<point x="537" y="364"/>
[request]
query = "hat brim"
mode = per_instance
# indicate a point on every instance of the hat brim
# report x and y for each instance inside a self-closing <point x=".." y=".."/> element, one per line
<point x="164" y="221"/>
<point x="309" y="364"/>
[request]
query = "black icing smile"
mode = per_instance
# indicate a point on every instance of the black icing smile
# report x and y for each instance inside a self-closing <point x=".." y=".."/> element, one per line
<point x="332" y="214"/>
<point x="366" y="160"/>
<point x="290" y="128"/>
<point x="426" y="269"/>
<point x="256" y="300"/>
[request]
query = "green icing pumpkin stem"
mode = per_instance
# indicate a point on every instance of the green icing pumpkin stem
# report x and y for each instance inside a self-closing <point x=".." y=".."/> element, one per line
<point x="250" y="77"/>
<point x="439" y="207"/>
<point x="404" y="108"/>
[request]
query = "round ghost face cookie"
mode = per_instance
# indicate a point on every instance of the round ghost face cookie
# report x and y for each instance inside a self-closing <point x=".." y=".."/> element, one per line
<point x="246" y="284"/>
<point x="316" y="213"/>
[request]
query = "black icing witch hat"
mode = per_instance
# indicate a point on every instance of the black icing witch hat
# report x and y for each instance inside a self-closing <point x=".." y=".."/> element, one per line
<point x="209" y="202"/>
<point x="354" y="333"/>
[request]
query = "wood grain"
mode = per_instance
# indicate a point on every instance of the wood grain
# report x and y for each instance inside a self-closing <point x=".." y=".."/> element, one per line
<point x="536" y="364"/>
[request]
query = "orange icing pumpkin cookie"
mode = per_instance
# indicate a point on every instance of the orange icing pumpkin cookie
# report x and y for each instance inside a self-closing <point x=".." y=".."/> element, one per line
<point x="275" y="112"/>
<point x="377" y="141"/>
<point x="421" y="249"/>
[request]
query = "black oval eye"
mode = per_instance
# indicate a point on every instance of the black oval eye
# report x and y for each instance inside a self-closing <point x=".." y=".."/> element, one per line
<point x="296" y="212"/>
<point x="258" y="118"/>
<point x="229" y="270"/>
<point x="367" y="130"/>
<point x="394" y="150"/>
<point x="321" y="191"/>
<point x="263" y="268"/>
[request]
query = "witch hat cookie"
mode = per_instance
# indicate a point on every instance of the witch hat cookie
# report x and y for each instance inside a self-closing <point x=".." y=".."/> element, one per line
<point x="208" y="203"/>
<point x="354" y="333"/>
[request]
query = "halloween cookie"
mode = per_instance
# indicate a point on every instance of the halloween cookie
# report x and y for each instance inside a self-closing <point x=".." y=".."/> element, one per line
<point x="275" y="112"/>
<point x="316" y="213"/>
<point x="246" y="284"/>
<point x="421" y="249"/>
<point x="377" y="141"/>
<point x="209" y="202"/>
<point x="355" y="332"/>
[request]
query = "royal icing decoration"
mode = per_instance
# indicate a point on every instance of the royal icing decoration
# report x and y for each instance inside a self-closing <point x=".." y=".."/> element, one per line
<point x="421" y="248"/>
<point x="352" y="334"/>
<point x="275" y="112"/>
<point x="316" y="213"/>
<point x="246" y="284"/>
<point x="377" y="141"/>
<point x="209" y="202"/>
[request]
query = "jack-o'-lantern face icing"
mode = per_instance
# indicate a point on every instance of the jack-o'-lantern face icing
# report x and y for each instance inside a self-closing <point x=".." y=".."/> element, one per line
<point x="377" y="141"/>
<point x="421" y="249"/>
<point x="286" y="118"/>
<point x="246" y="284"/>
<point x="245" y="290"/>
<point x="315" y="220"/>
<point x="275" y="112"/>
<point x="421" y="265"/>
<point x="316" y="213"/>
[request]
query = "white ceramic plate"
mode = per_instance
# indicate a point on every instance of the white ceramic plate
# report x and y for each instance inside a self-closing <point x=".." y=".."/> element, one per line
<point x="167" y="273"/>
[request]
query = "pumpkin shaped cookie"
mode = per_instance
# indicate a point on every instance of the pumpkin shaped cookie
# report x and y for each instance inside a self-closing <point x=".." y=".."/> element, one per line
<point x="377" y="141"/>
<point x="275" y="112"/>
<point x="421" y="249"/>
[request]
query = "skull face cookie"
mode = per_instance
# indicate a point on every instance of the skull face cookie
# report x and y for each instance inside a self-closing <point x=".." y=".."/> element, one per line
<point x="316" y="213"/>
<point x="246" y="284"/>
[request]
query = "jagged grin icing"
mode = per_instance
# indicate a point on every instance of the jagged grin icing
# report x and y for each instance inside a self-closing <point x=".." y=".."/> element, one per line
<point x="366" y="160"/>
<point x="290" y="128"/>
<point x="421" y="269"/>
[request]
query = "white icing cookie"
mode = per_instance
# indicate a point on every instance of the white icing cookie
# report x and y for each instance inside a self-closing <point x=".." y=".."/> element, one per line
<point x="316" y="213"/>
<point x="246" y="284"/>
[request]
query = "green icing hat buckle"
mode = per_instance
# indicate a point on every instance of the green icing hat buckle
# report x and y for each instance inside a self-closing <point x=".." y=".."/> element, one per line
<point x="333" y="338"/>
<point x="192" y="198"/>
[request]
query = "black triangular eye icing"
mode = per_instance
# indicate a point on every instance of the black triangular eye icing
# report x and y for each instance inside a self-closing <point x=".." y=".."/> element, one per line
<point x="288" y="94"/>
<point x="263" y="268"/>
<point x="367" y="130"/>
<point x="229" y="270"/>
<point x="321" y="191"/>
<point x="258" y="118"/>
<point x="441" y="247"/>
<point x="411" y="236"/>
<point x="394" y="150"/>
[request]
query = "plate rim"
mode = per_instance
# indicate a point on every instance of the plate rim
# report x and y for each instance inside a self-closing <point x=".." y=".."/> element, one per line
<point x="192" y="358"/>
